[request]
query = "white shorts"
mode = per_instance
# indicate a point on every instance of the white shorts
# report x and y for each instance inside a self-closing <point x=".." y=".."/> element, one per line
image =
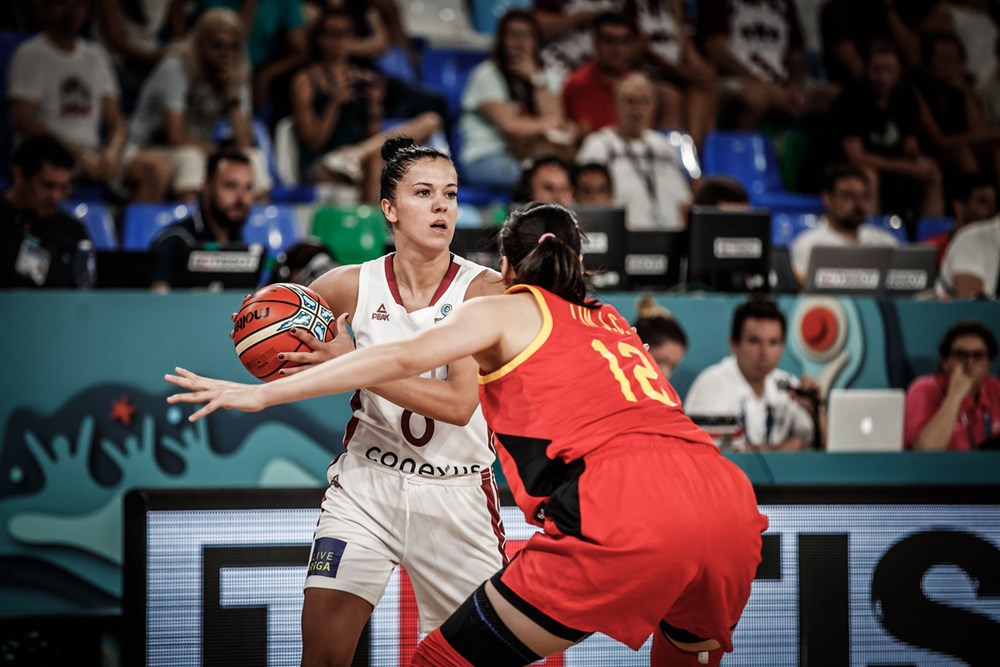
<point x="445" y="532"/>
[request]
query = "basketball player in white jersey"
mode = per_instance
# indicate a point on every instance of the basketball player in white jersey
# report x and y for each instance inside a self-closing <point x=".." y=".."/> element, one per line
<point x="415" y="486"/>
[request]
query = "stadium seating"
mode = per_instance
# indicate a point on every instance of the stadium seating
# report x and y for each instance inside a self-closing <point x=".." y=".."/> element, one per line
<point x="446" y="70"/>
<point x="786" y="226"/>
<point x="274" y="226"/>
<point x="468" y="216"/>
<point x="928" y="227"/>
<point x="353" y="234"/>
<point x="440" y="22"/>
<point x="892" y="224"/>
<point x="486" y="13"/>
<point x="98" y="220"/>
<point x="395" y="62"/>
<point x="142" y="222"/>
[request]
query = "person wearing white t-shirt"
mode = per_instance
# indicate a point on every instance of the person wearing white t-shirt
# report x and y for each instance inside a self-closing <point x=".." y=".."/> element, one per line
<point x="775" y="410"/>
<point x="63" y="85"/>
<point x="643" y="165"/>
<point x="971" y="265"/>
<point x="846" y="196"/>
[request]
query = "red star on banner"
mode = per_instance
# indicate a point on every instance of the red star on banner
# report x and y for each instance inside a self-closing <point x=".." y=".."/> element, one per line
<point x="122" y="411"/>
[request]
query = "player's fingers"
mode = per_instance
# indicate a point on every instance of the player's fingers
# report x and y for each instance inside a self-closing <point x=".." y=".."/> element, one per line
<point x="206" y="410"/>
<point x="341" y="324"/>
<point x="291" y="370"/>
<point x="297" y="357"/>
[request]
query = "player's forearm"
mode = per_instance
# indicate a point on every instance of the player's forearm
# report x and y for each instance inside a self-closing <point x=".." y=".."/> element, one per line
<point x="435" y="399"/>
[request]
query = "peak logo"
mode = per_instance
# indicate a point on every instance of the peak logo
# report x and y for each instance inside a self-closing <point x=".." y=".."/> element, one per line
<point x="381" y="314"/>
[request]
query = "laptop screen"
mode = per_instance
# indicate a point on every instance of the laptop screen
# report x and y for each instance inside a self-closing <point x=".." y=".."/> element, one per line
<point x="227" y="266"/>
<point x="656" y="259"/>
<point x="729" y="251"/>
<point x="604" y="248"/>
<point x="912" y="269"/>
<point x="848" y="270"/>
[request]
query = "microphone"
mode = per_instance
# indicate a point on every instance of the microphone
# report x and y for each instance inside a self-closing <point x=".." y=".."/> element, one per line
<point x="785" y="385"/>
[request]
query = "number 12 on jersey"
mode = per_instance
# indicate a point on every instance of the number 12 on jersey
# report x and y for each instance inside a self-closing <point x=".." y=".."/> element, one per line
<point x="643" y="372"/>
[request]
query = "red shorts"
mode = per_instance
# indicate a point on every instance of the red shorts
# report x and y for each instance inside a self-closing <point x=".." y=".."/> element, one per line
<point x="667" y="530"/>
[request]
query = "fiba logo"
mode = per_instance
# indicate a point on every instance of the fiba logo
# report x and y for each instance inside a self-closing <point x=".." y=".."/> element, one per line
<point x="445" y="310"/>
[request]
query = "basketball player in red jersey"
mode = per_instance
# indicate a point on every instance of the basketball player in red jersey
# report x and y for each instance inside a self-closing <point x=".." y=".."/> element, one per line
<point x="647" y="529"/>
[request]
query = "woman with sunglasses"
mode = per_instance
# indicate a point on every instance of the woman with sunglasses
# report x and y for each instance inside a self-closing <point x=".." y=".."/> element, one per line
<point x="958" y="407"/>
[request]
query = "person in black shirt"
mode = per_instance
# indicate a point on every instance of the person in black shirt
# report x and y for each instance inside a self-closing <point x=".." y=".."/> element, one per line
<point x="42" y="245"/>
<point x="222" y="211"/>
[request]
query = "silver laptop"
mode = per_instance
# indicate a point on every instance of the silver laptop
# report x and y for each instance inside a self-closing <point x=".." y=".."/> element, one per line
<point x="912" y="270"/>
<point x="848" y="270"/>
<point x="865" y="420"/>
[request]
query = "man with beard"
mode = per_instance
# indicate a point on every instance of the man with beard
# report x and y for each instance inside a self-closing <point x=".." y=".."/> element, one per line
<point x="222" y="211"/>
<point x="846" y="201"/>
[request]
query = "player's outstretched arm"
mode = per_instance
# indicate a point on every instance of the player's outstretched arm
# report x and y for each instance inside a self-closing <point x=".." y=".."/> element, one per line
<point x="475" y="326"/>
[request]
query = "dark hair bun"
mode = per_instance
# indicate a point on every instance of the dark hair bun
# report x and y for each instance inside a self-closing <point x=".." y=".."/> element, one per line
<point x="394" y="145"/>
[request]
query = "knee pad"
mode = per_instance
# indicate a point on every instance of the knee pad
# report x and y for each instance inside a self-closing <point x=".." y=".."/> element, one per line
<point x="476" y="632"/>
<point x="666" y="654"/>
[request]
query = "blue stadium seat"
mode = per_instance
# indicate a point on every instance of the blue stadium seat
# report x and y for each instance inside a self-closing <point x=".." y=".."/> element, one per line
<point x="395" y="62"/>
<point x="97" y="218"/>
<point x="786" y="226"/>
<point x="788" y="202"/>
<point x="446" y="70"/>
<point x="476" y="195"/>
<point x="274" y="226"/>
<point x="142" y="222"/>
<point x="892" y="224"/>
<point x="261" y="139"/>
<point x="486" y="13"/>
<point x="928" y="227"/>
<point x="749" y="157"/>
<point x="468" y="216"/>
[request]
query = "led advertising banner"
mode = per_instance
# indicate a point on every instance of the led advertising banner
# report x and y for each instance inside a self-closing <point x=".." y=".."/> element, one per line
<point x="850" y="576"/>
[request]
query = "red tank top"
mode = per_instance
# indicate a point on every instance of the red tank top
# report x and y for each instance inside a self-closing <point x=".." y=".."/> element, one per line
<point x="586" y="381"/>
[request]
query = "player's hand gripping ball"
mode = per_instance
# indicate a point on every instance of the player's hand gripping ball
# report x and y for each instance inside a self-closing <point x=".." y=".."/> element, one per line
<point x="261" y="328"/>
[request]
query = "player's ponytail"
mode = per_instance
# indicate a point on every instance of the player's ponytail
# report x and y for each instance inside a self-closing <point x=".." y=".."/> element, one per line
<point x="542" y="243"/>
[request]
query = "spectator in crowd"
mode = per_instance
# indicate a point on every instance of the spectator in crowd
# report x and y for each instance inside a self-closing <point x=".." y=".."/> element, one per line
<point x="876" y="128"/>
<point x="956" y="408"/>
<point x="377" y="30"/>
<point x="658" y="329"/>
<point x="849" y="28"/>
<point x="338" y="111"/>
<point x="723" y="192"/>
<point x="134" y="33"/>
<point x="974" y="199"/>
<point x="685" y="81"/>
<point x="276" y="42"/>
<point x="64" y="85"/>
<point x="846" y="199"/>
<point x="592" y="184"/>
<point x="203" y="81"/>
<point x="567" y="34"/>
<point x="544" y="178"/>
<point x="40" y="244"/>
<point x="776" y="411"/>
<point x="971" y="265"/>
<point x="643" y="165"/>
<point x="588" y="96"/>
<point x="975" y="23"/>
<point x="758" y="51"/>
<point x="989" y="93"/>
<point x="302" y="262"/>
<point x="509" y="108"/>
<point x="223" y="209"/>
<point x="952" y="119"/>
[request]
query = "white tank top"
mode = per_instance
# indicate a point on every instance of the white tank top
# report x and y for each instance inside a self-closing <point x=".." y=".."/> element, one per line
<point x="383" y="432"/>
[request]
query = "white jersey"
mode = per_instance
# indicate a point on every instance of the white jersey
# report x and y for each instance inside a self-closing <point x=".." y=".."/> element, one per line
<point x="382" y="431"/>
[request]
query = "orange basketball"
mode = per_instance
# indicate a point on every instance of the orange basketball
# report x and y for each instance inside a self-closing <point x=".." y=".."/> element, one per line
<point x="261" y="328"/>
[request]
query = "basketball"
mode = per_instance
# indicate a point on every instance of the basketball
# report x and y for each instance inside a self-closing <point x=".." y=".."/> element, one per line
<point x="261" y="328"/>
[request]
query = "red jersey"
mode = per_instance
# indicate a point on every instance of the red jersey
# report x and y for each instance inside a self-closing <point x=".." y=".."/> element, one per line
<point x="584" y="382"/>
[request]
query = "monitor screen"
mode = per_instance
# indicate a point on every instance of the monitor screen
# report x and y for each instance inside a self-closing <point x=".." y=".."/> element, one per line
<point x="656" y="259"/>
<point x="604" y="247"/>
<point x="848" y="270"/>
<point x="124" y="269"/>
<point x="477" y="244"/>
<point x="729" y="251"/>
<point x="227" y="266"/>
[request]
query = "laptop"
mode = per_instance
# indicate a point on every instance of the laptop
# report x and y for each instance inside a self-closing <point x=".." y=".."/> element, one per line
<point x="912" y="270"/>
<point x="604" y="247"/>
<point x="224" y="266"/>
<point x="782" y="277"/>
<point x="848" y="270"/>
<point x="729" y="251"/>
<point x="124" y="269"/>
<point x="656" y="259"/>
<point x="865" y="420"/>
